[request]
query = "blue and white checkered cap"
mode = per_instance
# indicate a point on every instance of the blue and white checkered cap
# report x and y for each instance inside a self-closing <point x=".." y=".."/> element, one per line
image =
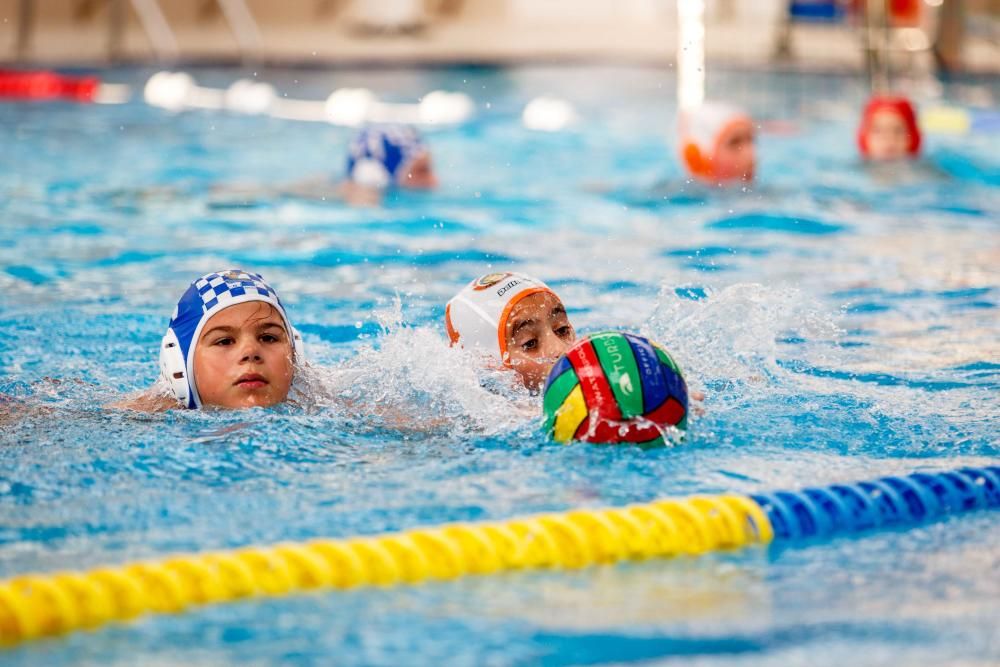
<point x="387" y="148"/>
<point x="207" y="296"/>
<point x="220" y="288"/>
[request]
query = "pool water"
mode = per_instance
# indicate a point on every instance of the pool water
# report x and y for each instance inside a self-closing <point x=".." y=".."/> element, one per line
<point x="843" y="323"/>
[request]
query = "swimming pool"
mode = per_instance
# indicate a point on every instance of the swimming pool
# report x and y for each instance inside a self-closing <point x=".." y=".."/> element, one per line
<point x="843" y="328"/>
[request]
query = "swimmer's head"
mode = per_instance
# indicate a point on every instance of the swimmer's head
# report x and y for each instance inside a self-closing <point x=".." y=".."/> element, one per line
<point x="514" y="320"/>
<point x="889" y="129"/>
<point x="717" y="143"/>
<point x="229" y="343"/>
<point x="383" y="156"/>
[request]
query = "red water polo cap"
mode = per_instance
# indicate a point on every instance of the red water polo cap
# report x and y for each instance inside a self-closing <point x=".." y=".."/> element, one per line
<point x="901" y="106"/>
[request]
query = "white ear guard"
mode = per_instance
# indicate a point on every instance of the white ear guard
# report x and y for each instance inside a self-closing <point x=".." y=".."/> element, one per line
<point x="173" y="368"/>
<point x="298" y="347"/>
<point x="371" y="173"/>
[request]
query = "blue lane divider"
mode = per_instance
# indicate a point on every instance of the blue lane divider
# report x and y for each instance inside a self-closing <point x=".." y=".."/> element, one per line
<point x="888" y="502"/>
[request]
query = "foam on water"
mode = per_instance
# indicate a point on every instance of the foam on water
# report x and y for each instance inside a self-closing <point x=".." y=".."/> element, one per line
<point x="409" y="379"/>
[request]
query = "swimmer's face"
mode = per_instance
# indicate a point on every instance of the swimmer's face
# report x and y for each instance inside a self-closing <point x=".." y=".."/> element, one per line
<point x="419" y="173"/>
<point x="888" y="137"/>
<point x="538" y="332"/>
<point x="734" y="159"/>
<point x="243" y="358"/>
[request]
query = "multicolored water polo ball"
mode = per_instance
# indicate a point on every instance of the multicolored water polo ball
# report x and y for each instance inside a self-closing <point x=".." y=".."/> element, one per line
<point x="615" y="387"/>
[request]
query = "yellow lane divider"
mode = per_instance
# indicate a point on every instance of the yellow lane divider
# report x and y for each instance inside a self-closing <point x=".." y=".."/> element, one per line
<point x="43" y="605"/>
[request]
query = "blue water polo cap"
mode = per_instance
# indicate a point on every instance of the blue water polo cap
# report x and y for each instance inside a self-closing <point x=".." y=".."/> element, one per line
<point x="378" y="155"/>
<point x="204" y="298"/>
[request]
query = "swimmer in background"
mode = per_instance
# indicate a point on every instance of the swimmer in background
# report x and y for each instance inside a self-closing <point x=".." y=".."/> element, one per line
<point x="379" y="159"/>
<point x="890" y="142"/>
<point x="717" y="144"/>
<point x="717" y="152"/>
<point x="229" y="344"/>
<point x="514" y="321"/>
<point x="889" y="130"/>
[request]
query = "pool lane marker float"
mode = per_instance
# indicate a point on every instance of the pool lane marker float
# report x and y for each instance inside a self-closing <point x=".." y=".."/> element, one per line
<point x="349" y="107"/>
<point x="178" y="91"/>
<point x="41" y="85"/>
<point x="34" y="606"/>
<point x="46" y="85"/>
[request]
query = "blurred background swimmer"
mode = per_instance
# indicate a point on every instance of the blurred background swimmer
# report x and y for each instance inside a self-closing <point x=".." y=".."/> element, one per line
<point x="888" y="129"/>
<point x="717" y="143"/>
<point x="716" y="146"/>
<point x="229" y="344"/>
<point x="891" y="142"/>
<point x="379" y="159"/>
<point x="382" y="157"/>
<point x="514" y="320"/>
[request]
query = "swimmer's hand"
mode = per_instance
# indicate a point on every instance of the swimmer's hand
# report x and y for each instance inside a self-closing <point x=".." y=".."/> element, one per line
<point x="698" y="397"/>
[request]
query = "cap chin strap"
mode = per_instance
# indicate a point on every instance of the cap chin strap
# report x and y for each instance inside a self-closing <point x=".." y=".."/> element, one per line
<point x="173" y="369"/>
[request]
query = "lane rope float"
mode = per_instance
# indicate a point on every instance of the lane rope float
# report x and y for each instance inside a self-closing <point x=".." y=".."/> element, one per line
<point x="178" y="91"/>
<point x="49" y="85"/>
<point x="351" y="107"/>
<point x="34" y="606"/>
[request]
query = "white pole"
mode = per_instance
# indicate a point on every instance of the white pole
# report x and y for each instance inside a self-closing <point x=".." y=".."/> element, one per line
<point x="690" y="53"/>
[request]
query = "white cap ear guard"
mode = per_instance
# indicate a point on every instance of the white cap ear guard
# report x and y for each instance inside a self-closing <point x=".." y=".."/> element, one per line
<point x="476" y="317"/>
<point x="173" y="368"/>
<point x="701" y="129"/>
<point x="371" y="173"/>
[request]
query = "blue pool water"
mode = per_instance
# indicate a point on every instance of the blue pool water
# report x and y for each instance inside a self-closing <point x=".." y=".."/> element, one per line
<point x="843" y="324"/>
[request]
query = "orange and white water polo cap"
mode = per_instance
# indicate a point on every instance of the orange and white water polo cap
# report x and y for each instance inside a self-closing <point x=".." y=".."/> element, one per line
<point x="476" y="317"/>
<point x="702" y="131"/>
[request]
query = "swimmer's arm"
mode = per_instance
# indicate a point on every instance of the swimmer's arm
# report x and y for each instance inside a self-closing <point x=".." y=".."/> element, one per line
<point x="151" y="400"/>
<point x="396" y="419"/>
<point x="239" y="194"/>
<point x="312" y="188"/>
<point x="14" y="408"/>
<point x="359" y="195"/>
<point x="322" y="189"/>
<point x="402" y="422"/>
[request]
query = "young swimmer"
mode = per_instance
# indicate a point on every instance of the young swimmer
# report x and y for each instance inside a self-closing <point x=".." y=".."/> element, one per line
<point x="229" y="344"/>
<point x="380" y="157"/>
<point x="717" y="143"/>
<point x="513" y="320"/>
<point x="888" y="129"/>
